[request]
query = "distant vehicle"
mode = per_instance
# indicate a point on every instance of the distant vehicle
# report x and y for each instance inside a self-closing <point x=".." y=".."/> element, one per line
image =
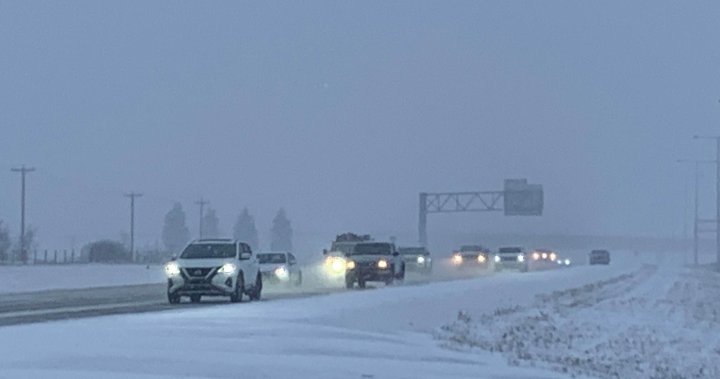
<point x="544" y="255"/>
<point x="513" y="258"/>
<point x="214" y="267"/>
<point x="471" y="256"/>
<point x="599" y="257"/>
<point x="373" y="262"/>
<point x="335" y="258"/>
<point x="417" y="259"/>
<point x="279" y="268"/>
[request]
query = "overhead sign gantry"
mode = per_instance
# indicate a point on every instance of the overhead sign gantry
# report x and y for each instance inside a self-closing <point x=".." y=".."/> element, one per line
<point x="518" y="198"/>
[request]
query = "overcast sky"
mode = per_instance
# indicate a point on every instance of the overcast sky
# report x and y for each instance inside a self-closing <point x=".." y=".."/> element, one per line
<point x="341" y="112"/>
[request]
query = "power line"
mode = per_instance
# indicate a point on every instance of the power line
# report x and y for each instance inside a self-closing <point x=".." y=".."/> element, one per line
<point x="717" y="192"/>
<point x="132" y="196"/>
<point x="202" y="203"/>
<point x="23" y="172"/>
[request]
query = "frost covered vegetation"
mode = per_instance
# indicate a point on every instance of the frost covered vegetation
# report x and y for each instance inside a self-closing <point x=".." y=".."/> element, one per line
<point x="655" y="323"/>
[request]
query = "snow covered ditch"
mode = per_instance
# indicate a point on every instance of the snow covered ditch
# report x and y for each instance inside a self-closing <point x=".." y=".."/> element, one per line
<point x="657" y="322"/>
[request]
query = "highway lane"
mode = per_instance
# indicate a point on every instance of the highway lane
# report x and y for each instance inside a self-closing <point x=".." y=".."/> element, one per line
<point x="52" y="305"/>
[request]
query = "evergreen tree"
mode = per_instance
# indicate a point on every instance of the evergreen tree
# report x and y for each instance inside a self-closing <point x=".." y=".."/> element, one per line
<point x="211" y="224"/>
<point x="281" y="233"/>
<point x="175" y="232"/>
<point x="245" y="229"/>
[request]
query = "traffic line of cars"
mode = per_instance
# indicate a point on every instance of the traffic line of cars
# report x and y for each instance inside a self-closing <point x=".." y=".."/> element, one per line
<point x="226" y="267"/>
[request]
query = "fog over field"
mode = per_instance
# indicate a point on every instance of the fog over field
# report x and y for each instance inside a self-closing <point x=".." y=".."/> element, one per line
<point x="342" y="112"/>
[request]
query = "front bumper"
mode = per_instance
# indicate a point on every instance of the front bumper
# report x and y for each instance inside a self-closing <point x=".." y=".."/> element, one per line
<point x="212" y="284"/>
<point x="511" y="265"/>
<point x="369" y="273"/>
<point x="270" y="277"/>
<point x="422" y="268"/>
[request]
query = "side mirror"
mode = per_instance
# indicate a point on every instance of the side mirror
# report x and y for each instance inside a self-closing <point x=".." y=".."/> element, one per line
<point x="173" y="258"/>
<point x="325" y="251"/>
<point x="245" y="256"/>
<point x="395" y="253"/>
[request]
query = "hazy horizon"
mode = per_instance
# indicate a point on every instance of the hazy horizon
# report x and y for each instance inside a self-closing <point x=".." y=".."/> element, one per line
<point x="341" y="113"/>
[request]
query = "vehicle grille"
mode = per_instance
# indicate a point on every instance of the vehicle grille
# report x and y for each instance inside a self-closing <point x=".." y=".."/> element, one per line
<point x="509" y="259"/>
<point x="198" y="272"/>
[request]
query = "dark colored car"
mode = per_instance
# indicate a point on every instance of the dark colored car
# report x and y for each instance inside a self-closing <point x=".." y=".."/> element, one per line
<point x="599" y="257"/>
<point x="373" y="262"/>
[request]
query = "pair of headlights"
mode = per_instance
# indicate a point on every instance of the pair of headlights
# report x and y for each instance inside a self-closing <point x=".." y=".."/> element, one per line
<point x="173" y="269"/>
<point x="381" y="264"/>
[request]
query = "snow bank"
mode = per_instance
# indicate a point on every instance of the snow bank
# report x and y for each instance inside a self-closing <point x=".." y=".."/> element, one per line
<point x="654" y="323"/>
<point x="15" y="279"/>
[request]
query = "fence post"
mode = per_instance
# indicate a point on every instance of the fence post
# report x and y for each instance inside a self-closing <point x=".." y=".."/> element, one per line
<point x="72" y="256"/>
<point x="55" y="259"/>
<point x="64" y="256"/>
<point x="45" y="260"/>
<point x="35" y="257"/>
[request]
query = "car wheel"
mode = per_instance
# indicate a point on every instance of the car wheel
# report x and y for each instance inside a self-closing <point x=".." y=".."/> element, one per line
<point x="298" y="282"/>
<point x="237" y="296"/>
<point x="195" y="298"/>
<point x="349" y="282"/>
<point x="173" y="299"/>
<point x="389" y="281"/>
<point x="256" y="293"/>
<point x="362" y="283"/>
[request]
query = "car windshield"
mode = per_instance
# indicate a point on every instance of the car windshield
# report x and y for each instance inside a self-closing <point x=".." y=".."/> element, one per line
<point x="343" y="247"/>
<point x="209" y="250"/>
<point x="471" y="248"/>
<point x="272" y="258"/>
<point x="599" y="252"/>
<point x="508" y="250"/>
<point x="412" y="251"/>
<point x="372" y="249"/>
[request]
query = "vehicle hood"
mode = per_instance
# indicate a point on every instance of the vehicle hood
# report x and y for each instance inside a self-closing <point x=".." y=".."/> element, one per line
<point x="204" y="263"/>
<point x="369" y="258"/>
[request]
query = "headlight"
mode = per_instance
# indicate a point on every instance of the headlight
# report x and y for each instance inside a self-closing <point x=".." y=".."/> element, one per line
<point x="536" y="256"/>
<point x="481" y="258"/>
<point x="338" y="264"/>
<point x="382" y="264"/>
<point x="172" y="269"/>
<point x="228" y="268"/>
<point x="421" y="260"/>
<point x="567" y="262"/>
<point x="281" y="272"/>
<point x="350" y="265"/>
<point x="553" y="256"/>
<point x="457" y="259"/>
<point x="521" y="258"/>
<point x="544" y="255"/>
<point x="497" y="258"/>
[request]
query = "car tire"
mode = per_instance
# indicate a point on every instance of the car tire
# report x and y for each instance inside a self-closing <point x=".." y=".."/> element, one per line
<point x="349" y="283"/>
<point x="298" y="281"/>
<point x="256" y="292"/>
<point x="195" y="298"/>
<point x="173" y="299"/>
<point x="390" y="281"/>
<point x="237" y="296"/>
<point x="362" y="283"/>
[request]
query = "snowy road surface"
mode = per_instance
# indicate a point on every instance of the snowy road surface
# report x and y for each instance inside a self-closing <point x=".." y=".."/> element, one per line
<point x="387" y="333"/>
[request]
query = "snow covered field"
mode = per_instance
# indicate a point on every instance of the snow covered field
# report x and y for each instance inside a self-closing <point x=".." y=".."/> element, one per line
<point x="15" y="279"/>
<point x="383" y="333"/>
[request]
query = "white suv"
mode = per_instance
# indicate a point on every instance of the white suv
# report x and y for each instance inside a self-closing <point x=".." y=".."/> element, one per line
<point x="214" y="267"/>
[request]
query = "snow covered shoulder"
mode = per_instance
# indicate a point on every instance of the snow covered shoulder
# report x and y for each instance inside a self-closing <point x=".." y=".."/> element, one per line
<point x="658" y="322"/>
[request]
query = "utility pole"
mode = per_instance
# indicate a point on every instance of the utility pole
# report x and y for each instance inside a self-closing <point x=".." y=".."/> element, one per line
<point x="23" y="172"/>
<point x="717" y="192"/>
<point x="132" y="196"/>
<point x="202" y="203"/>
<point x="696" y="219"/>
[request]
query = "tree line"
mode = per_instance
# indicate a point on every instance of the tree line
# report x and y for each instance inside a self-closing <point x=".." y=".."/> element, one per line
<point x="176" y="234"/>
